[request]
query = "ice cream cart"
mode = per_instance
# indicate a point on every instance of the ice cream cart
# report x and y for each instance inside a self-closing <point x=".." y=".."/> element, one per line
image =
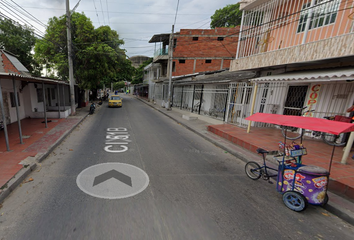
<point x="301" y="184"/>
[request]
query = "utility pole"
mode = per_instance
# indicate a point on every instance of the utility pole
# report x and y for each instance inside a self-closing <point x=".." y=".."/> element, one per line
<point x="170" y="65"/>
<point x="71" y="71"/>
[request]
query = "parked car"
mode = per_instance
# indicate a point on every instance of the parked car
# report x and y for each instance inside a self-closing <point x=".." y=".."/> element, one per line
<point x="114" y="101"/>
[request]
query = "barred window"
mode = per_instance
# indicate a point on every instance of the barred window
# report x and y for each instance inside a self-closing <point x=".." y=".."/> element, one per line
<point x="324" y="12"/>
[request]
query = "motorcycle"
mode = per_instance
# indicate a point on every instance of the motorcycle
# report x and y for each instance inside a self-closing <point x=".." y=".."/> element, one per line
<point x="92" y="108"/>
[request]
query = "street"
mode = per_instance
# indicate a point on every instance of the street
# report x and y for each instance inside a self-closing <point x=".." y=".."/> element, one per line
<point x="163" y="182"/>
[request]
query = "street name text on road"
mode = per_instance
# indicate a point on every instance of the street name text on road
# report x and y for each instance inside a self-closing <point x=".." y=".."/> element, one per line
<point x="117" y="140"/>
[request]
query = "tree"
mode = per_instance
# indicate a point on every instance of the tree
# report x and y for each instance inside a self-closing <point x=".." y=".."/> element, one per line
<point x="139" y="75"/>
<point x="20" y="41"/>
<point x="119" y="85"/>
<point x="229" y="16"/>
<point x="97" y="55"/>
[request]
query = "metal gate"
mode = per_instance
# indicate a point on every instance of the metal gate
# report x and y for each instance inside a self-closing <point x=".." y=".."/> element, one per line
<point x="295" y="100"/>
<point x="239" y="103"/>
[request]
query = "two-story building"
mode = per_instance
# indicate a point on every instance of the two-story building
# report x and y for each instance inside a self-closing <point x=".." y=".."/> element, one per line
<point x="303" y="54"/>
<point x="195" y="52"/>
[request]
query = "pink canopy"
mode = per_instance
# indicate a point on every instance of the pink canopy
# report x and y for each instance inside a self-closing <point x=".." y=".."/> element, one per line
<point x="315" y="124"/>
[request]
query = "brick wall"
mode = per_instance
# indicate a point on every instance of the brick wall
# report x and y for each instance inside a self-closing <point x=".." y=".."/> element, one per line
<point x="8" y="66"/>
<point x="198" y="45"/>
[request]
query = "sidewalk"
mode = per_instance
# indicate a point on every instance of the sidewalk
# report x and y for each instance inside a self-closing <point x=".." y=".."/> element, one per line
<point x="40" y="141"/>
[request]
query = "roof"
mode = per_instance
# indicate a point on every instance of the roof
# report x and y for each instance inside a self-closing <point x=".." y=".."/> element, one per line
<point x="32" y="79"/>
<point x="163" y="37"/>
<point x="17" y="64"/>
<point x="220" y="76"/>
<point x="23" y="74"/>
<point x="319" y="75"/>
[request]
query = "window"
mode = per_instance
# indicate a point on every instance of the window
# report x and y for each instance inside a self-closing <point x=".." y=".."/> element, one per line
<point x="208" y="61"/>
<point x="40" y="94"/>
<point x="220" y="38"/>
<point x="53" y="93"/>
<point x="182" y="61"/>
<point x="13" y="102"/>
<point x="324" y="12"/>
<point x="195" y="38"/>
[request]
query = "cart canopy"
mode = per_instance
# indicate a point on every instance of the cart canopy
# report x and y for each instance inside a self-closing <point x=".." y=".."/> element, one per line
<point x="311" y="123"/>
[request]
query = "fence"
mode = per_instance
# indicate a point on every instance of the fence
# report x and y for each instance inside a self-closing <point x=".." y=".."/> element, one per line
<point x="209" y="100"/>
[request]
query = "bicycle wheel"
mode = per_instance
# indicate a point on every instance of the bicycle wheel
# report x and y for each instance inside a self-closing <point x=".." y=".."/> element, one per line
<point x="253" y="170"/>
<point x="334" y="140"/>
<point x="292" y="133"/>
<point x="295" y="201"/>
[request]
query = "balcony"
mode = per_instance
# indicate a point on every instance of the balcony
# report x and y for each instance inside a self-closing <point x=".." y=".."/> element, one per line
<point x="160" y="55"/>
<point x="277" y="34"/>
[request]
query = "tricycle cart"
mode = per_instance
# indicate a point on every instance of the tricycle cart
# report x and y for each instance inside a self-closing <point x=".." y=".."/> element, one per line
<point x="299" y="184"/>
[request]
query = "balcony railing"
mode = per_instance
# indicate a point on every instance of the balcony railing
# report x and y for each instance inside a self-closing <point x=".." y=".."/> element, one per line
<point x="161" y="52"/>
<point x="279" y="24"/>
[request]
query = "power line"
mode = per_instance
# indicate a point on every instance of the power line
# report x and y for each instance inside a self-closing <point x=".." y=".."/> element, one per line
<point x="96" y="11"/>
<point x="104" y="21"/>
<point x="109" y="23"/>
<point x="31" y="16"/>
<point x="19" y="18"/>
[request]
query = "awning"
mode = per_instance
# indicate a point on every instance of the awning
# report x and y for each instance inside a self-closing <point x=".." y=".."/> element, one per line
<point x="311" y="123"/>
<point x="320" y="75"/>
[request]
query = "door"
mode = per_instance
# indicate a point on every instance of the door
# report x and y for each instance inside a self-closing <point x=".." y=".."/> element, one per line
<point x="295" y="100"/>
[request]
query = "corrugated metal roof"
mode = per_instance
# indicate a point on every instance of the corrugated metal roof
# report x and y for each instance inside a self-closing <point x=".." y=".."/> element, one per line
<point x="18" y="65"/>
<point x="32" y="79"/>
<point x="336" y="74"/>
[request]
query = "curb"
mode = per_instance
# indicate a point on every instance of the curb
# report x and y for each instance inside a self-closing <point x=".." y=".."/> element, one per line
<point x="335" y="208"/>
<point x="25" y="171"/>
<point x="16" y="180"/>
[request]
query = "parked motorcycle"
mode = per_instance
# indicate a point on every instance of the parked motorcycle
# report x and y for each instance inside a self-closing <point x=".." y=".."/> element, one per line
<point x="92" y="108"/>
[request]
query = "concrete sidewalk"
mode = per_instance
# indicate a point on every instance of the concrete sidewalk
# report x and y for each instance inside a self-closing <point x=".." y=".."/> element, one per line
<point x="41" y="143"/>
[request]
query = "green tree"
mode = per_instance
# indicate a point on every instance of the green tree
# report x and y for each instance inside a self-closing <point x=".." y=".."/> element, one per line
<point x="139" y="75"/>
<point x="20" y="41"/>
<point x="229" y="16"/>
<point x="97" y="55"/>
<point x="119" y="85"/>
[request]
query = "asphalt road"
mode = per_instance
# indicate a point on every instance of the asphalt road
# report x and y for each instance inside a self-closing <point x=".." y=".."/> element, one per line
<point x="194" y="190"/>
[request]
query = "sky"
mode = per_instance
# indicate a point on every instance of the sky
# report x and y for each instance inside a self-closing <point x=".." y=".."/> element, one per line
<point x="136" y="21"/>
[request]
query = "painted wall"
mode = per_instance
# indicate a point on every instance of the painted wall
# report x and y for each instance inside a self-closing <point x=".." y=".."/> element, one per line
<point x="10" y="111"/>
<point x="329" y="48"/>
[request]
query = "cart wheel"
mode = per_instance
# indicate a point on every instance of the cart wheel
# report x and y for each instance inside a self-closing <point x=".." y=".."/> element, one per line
<point x="253" y="170"/>
<point x="295" y="201"/>
<point x="325" y="201"/>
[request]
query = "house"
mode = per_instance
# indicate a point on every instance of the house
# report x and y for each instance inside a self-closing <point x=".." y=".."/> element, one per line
<point x="24" y="96"/>
<point x="303" y="54"/>
<point x="195" y="52"/>
<point x="289" y="55"/>
<point x="30" y="91"/>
